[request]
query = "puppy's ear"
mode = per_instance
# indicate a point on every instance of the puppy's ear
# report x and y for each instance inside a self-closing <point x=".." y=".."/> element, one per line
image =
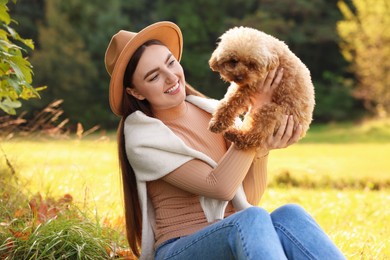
<point x="213" y="62"/>
<point x="273" y="62"/>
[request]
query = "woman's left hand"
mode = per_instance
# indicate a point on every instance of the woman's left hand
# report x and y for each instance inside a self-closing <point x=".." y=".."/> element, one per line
<point x="287" y="134"/>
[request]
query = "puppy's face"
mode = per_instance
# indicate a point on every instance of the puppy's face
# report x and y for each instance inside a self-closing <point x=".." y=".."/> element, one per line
<point x="238" y="69"/>
<point x="243" y="56"/>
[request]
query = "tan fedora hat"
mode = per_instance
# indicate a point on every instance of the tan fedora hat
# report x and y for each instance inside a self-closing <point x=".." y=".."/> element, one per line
<point x="122" y="47"/>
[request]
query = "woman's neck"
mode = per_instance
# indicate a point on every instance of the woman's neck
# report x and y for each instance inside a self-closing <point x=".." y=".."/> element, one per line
<point x="173" y="113"/>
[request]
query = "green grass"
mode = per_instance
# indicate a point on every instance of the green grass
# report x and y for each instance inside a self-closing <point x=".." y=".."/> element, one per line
<point x="67" y="238"/>
<point x="368" y="131"/>
<point x="339" y="173"/>
<point x="87" y="169"/>
<point x="361" y="165"/>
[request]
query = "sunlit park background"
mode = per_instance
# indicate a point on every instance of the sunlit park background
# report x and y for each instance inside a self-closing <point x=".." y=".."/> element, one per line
<point x="60" y="193"/>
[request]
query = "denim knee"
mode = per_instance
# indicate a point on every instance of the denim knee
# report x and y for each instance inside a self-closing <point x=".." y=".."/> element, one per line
<point x="289" y="211"/>
<point x="297" y="230"/>
<point x="254" y="213"/>
<point x="251" y="217"/>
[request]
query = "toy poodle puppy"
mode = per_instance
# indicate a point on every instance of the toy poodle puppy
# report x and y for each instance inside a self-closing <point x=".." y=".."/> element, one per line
<point x="243" y="57"/>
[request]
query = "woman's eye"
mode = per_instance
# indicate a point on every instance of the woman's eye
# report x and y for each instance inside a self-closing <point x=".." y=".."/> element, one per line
<point x="153" y="77"/>
<point x="171" y="62"/>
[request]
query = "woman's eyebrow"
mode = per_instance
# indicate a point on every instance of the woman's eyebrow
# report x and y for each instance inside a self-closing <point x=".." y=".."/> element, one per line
<point x="156" y="69"/>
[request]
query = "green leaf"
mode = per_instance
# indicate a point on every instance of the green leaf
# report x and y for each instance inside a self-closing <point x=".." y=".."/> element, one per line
<point x="4" y="16"/>
<point x="14" y="83"/>
<point x="22" y="68"/>
<point x="15" y="70"/>
<point x="8" y="105"/>
<point x="28" y="42"/>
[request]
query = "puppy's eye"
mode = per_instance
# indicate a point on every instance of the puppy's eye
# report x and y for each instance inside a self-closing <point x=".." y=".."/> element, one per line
<point x="233" y="62"/>
<point x="252" y="66"/>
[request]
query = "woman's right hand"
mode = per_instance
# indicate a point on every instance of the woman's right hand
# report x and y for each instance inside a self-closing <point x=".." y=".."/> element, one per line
<point x="288" y="133"/>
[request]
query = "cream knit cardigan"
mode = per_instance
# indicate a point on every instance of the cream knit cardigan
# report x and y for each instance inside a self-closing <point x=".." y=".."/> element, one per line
<point x="153" y="151"/>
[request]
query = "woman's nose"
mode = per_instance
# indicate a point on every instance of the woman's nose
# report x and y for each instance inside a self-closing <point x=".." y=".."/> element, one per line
<point x="171" y="77"/>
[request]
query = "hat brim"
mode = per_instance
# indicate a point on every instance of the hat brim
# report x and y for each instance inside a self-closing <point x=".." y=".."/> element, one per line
<point x="166" y="32"/>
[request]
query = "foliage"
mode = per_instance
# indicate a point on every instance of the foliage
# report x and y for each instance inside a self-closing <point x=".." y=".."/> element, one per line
<point x="15" y="70"/>
<point x="63" y="63"/>
<point x="334" y="100"/>
<point x="365" y="33"/>
<point x="70" y="46"/>
<point x="54" y="229"/>
<point x="71" y="37"/>
<point x="29" y="14"/>
<point x="51" y="228"/>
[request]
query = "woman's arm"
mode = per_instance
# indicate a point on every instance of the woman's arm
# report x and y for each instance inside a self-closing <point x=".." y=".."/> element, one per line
<point x="222" y="182"/>
<point x="255" y="181"/>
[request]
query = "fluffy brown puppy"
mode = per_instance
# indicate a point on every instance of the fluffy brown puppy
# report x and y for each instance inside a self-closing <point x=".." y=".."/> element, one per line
<point x="243" y="57"/>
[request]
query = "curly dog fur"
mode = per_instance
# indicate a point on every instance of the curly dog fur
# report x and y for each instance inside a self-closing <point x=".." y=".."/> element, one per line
<point x="243" y="57"/>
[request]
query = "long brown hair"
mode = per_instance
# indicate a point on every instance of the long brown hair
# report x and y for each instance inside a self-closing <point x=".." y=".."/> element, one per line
<point x="133" y="214"/>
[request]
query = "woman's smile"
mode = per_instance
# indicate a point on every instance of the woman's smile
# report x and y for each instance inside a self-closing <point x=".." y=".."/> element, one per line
<point x="173" y="90"/>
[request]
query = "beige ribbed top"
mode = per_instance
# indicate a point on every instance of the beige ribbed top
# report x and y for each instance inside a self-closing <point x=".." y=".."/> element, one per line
<point x="175" y="197"/>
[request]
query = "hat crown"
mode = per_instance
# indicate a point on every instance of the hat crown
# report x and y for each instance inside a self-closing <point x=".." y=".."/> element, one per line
<point x="115" y="48"/>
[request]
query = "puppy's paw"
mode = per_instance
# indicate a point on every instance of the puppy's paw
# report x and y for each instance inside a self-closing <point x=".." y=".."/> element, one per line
<point x="216" y="126"/>
<point x="231" y="135"/>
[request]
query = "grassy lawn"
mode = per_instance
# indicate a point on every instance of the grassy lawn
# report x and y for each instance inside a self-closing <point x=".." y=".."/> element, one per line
<point x="339" y="174"/>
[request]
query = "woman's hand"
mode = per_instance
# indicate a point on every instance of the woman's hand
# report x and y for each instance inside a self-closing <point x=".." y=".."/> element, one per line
<point x="287" y="134"/>
<point x="266" y="87"/>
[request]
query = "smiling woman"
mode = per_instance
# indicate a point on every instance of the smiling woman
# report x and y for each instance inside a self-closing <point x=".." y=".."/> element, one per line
<point x="158" y="78"/>
<point x="183" y="183"/>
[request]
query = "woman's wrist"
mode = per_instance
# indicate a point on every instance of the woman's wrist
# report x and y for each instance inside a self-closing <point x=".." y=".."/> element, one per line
<point x="261" y="152"/>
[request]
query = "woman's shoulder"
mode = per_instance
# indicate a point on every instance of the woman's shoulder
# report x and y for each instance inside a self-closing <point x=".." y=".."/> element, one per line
<point x="138" y="125"/>
<point x="139" y="119"/>
<point x="207" y="104"/>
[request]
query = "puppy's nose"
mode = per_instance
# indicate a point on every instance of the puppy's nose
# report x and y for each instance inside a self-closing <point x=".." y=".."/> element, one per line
<point x="238" y="78"/>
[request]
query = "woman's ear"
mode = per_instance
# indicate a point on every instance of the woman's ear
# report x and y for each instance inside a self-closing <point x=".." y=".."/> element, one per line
<point x="134" y="93"/>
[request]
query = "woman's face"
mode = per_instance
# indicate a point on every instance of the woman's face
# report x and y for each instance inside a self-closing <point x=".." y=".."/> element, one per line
<point x="158" y="78"/>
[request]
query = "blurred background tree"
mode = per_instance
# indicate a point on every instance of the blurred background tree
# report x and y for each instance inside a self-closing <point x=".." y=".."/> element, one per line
<point x="365" y="33"/>
<point x="71" y="38"/>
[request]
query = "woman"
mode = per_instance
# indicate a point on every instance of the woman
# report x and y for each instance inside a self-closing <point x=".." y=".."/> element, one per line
<point x="187" y="192"/>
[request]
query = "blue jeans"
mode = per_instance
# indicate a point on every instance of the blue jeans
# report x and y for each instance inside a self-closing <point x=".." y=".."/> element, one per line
<point x="287" y="233"/>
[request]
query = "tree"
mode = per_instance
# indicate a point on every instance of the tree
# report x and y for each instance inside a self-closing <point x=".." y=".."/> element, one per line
<point x="63" y="63"/>
<point x="15" y="70"/>
<point x="71" y="39"/>
<point x="365" y="33"/>
<point x="95" y="21"/>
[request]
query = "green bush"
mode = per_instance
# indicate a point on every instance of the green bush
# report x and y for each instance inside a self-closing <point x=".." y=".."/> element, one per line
<point x="15" y="70"/>
<point x="38" y="228"/>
